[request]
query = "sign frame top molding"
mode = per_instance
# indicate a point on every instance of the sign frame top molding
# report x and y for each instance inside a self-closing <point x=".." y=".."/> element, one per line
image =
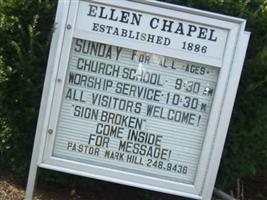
<point x="228" y="59"/>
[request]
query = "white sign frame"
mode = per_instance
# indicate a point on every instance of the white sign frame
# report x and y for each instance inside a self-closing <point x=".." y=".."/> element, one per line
<point x="230" y="64"/>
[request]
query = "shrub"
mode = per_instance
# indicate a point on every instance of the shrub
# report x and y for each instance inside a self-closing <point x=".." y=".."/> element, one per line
<point x="25" y="32"/>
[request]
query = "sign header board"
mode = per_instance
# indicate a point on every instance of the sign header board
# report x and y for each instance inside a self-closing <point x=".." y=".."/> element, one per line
<point x="150" y="29"/>
<point x="140" y="93"/>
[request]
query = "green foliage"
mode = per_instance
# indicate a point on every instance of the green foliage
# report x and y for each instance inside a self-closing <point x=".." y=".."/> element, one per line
<point x="25" y="31"/>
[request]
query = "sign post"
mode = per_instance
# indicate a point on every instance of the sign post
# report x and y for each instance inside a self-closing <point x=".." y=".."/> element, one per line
<point x="139" y="93"/>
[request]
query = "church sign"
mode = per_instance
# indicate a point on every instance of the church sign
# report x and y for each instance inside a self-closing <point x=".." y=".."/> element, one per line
<point x="139" y="93"/>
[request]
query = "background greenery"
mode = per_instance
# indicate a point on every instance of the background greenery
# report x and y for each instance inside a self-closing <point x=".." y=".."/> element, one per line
<point x="25" y="34"/>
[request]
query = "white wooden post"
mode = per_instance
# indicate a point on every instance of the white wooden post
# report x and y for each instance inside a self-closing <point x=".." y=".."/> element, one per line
<point x="60" y="23"/>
